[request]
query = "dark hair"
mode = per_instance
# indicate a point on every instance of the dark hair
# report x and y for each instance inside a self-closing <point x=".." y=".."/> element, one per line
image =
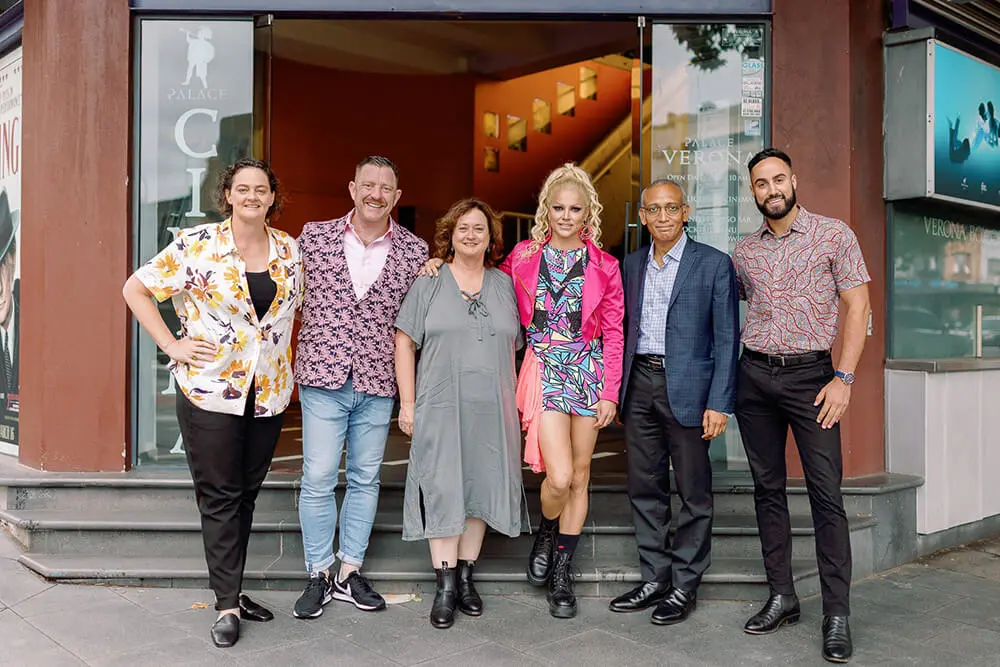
<point x="989" y="107"/>
<point x="982" y="109"/>
<point x="380" y="162"/>
<point x="225" y="184"/>
<point x="445" y="228"/>
<point x="766" y="153"/>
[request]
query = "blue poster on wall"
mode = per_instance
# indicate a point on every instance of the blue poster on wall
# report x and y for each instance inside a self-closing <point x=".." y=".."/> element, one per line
<point x="966" y="128"/>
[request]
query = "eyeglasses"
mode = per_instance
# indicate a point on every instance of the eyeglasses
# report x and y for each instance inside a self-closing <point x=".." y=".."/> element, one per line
<point x="671" y="209"/>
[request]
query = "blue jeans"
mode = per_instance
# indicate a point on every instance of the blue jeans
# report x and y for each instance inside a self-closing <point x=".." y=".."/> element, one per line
<point x="329" y="417"/>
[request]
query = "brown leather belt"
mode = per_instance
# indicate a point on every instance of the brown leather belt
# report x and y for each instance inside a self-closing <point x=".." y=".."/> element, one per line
<point x="651" y="360"/>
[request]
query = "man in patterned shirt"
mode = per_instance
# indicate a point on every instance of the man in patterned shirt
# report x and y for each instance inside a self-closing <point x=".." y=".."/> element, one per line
<point x="793" y="272"/>
<point x="358" y="268"/>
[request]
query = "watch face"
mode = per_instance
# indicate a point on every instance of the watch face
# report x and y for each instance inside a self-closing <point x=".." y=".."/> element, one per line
<point x="848" y="378"/>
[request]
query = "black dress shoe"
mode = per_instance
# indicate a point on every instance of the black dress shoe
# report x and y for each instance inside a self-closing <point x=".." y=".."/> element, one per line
<point x="542" y="554"/>
<point x="779" y="610"/>
<point x="643" y="596"/>
<point x="469" y="602"/>
<point x="445" y="599"/>
<point x="226" y="631"/>
<point x="251" y="611"/>
<point x="837" y="646"/>
<point x="674" y="608"/>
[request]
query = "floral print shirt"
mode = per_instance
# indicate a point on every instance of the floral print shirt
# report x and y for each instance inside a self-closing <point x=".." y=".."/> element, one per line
<point x="203" y="273"/>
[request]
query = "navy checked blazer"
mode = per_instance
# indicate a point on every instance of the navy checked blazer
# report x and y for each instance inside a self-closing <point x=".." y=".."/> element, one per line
<point x="703" y="331"/>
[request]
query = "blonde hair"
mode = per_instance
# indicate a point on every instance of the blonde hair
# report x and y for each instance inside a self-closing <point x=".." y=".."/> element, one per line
<point x="568" y="174"/>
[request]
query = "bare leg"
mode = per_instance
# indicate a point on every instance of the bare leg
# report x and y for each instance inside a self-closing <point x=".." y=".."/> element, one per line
<point x="444" y="550"/>
<point x="584" y="437"/>
<point x="471" y="541"/>
<point x="557" y="452"/>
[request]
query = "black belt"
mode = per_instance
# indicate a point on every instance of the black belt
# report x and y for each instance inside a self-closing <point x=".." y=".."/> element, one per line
<point x="785" y="360"/>
<point x="651" y="360"/>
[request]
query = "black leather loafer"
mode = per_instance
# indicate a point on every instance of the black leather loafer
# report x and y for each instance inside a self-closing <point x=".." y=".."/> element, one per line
<point x="837" y="646"/>
<point x="226" y="631"/>
<point x="674" y="608"/>
<point x="643" y="596"/>
<point x="251" y="611"/>
<point x="779" y="610"/>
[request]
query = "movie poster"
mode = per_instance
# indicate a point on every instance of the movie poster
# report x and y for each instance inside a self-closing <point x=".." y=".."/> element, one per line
<point x="966" y="128"/>
<point x="10" y="248"/>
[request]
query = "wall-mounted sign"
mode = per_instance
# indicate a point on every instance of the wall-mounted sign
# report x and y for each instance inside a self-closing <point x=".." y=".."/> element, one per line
<point x="941" y="123"/>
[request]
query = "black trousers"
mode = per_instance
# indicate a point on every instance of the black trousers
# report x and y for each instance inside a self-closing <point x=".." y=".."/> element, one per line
<point x="229" y="456"/>
<point x="654" y="439"/>
<point x="769" y="399"/>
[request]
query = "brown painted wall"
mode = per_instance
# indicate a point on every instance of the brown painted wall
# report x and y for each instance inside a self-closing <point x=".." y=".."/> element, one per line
<point x="75" y="240"/>
<point x="827" y="114"/>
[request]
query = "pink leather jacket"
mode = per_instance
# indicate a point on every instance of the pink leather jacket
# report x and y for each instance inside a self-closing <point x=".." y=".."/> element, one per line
<point x="603" y="303"/>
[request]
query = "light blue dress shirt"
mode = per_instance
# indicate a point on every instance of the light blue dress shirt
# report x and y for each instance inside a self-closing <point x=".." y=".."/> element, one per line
<point x="656" y="291"/>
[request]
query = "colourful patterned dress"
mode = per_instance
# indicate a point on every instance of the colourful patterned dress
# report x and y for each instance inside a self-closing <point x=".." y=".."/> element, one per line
<point x="572" y="370"/>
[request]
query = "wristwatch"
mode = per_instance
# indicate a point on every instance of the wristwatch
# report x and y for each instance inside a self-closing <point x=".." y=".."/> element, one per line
<point x="846" y="376"/>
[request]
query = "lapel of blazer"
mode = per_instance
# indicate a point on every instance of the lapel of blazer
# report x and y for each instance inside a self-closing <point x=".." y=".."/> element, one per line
<point x="638" y="287"/>
<point x="688" y="260"/>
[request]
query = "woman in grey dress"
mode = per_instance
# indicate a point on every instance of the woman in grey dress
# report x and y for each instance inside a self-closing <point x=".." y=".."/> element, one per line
<point x="459" y="406"/>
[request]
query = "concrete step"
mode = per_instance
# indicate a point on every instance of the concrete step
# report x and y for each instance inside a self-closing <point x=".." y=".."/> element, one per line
<point x="727" y="579"/>
<point x="608" y="534"/>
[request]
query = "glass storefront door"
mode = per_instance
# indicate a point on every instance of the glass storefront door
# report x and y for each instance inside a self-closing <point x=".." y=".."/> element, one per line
<point x="706" y="86"/>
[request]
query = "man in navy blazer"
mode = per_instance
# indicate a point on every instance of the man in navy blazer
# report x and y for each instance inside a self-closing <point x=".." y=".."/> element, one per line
<point x="678" y="388"/>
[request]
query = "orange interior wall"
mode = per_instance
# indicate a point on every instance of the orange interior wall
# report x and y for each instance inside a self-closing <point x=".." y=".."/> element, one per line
<point x="323" y="121"/>
<point x="521" y="174"/>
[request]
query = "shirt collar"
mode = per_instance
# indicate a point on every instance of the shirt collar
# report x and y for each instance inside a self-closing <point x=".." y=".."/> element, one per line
<point x="800" y="224"/>
<point x="349" y="227"/>
<point x="227" y="242"/>
<point x="674" y="253"/>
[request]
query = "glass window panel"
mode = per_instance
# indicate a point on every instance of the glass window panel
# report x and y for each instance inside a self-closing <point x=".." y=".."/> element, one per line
<point x="491" y="124"/>
<point x="517" y="133"/>
<point x="195" y="118"/>
<point x="708" y="120"/>
<point x="944" y="264"/>
<point x="588" y="83"/>
<point x="541" y="114"/>
<point x="565" y="99"/>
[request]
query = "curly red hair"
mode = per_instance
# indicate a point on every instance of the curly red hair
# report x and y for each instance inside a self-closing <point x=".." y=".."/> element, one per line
<point x="445" y="229"/>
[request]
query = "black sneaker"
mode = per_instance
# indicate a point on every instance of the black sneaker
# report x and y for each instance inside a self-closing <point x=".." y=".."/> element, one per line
<point x="318" y="593"/>
<point x="358" y="591"/>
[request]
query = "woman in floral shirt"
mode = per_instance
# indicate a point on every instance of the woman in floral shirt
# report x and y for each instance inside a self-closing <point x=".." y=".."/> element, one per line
<point x="235" y="286"/>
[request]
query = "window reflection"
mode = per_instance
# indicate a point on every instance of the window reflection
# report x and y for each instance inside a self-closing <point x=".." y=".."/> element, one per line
<point x="565" y="99"/>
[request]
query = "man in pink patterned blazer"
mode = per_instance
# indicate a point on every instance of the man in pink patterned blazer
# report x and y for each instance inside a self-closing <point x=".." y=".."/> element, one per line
<point x="358" y="268"/>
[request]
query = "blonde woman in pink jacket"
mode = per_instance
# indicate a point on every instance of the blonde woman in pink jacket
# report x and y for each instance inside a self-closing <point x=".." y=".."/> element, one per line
<point x="571" y="304"/>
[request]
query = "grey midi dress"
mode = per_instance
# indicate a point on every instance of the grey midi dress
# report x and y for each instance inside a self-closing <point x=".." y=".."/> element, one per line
<point x="466" y="445"/>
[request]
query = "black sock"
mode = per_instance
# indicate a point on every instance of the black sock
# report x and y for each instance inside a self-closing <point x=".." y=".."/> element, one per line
<point x="567" y="543"/>
<point x="548" y="524"/>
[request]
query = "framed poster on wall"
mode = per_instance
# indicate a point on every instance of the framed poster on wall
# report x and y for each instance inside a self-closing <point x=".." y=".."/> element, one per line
<point x="10" y="249"/>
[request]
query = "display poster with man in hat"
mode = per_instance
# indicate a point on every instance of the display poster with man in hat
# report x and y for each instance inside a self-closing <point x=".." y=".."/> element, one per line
<point x="10" y="248"/>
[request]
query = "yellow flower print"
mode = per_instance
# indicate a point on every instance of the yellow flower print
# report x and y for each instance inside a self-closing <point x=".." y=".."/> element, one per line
<point x="240" y="342"/>
<point x="198" y="247"/>
<point x="204" y="289"/>
<point x="263" y="388"/>
<point x="162" y="293"/>
<point x="237" y="370"/>
<point x="235" y="280"/>
<point x="167" y="265"/>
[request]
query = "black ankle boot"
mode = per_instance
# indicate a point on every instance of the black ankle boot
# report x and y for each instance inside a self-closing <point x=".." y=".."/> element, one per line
<point x="443" y="609"/>
<point x="469" y="602"/>
<point x="541" y="558"/>
<point x="562" y="601"/>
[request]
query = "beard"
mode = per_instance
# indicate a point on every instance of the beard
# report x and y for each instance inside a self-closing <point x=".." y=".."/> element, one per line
<point x="789" y="204"/>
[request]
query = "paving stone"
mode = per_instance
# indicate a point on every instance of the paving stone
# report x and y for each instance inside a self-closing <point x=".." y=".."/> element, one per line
<point x="21" y="644"/>
<point x="10" y="548"/>
<point x="162" y="601"/>
<point x="969" y="561"/>
<point x="18" y="583"/>
<point x="179" y="651"/>
<point x="490" y="654"/>
<point x="404" y="636"/>
<point x="72" y="598"/>
<point x="330" y="653"/>
<point x="972" y="611"/>
<point x="726" y="616"/>
<point x="967" y="640"/>
<point x="96" y="634"/>
<point x="948" y="581"/>
<point x="594" y="648"/>
<point x="915" y="599"/>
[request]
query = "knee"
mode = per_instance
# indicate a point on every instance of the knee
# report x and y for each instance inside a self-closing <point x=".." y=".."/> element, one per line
<point x="580" y="480"/>
<point x="559" y="481"/>
<point x="319" y="478"/>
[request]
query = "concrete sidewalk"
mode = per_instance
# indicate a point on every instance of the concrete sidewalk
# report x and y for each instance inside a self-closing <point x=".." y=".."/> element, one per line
<point x="944" y="610"/>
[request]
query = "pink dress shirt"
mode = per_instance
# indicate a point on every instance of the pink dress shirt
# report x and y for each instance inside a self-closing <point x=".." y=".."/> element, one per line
<point x="365" y="263"/>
